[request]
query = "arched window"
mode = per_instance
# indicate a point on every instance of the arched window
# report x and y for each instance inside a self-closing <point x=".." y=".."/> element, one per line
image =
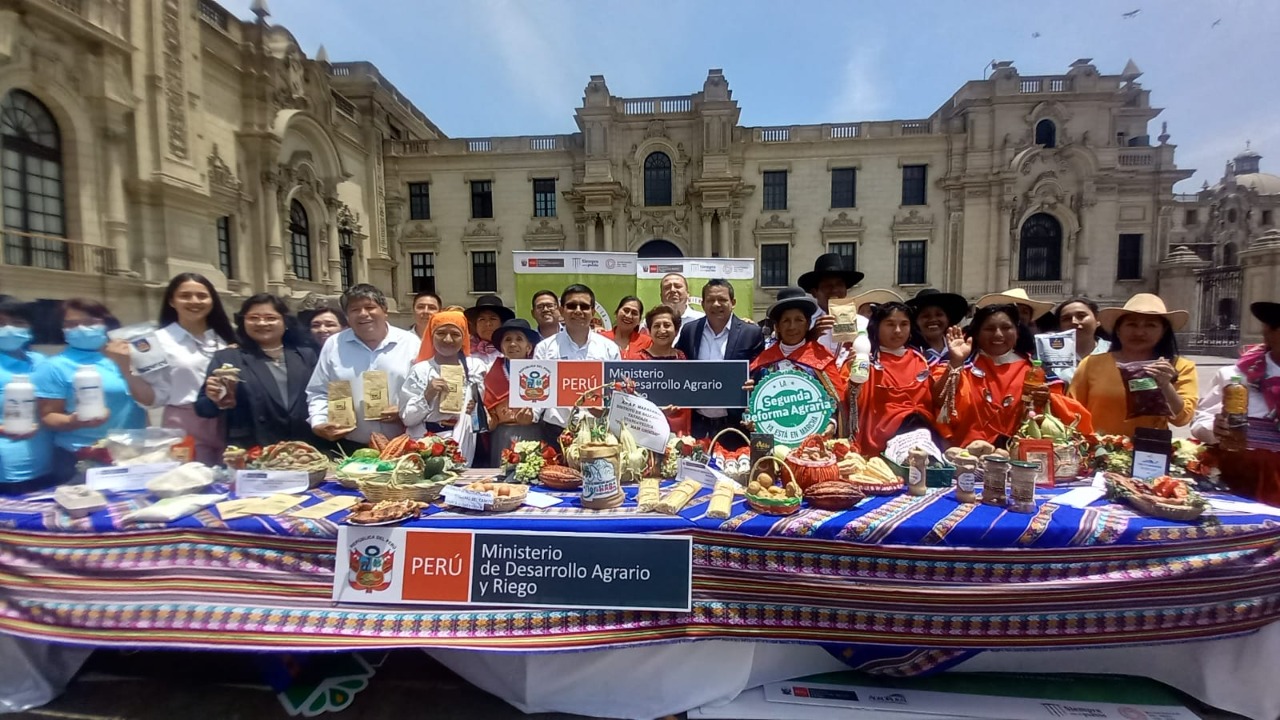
<point x="1040" y="251"/>
<point x="300" y="240"/>
<point x="1046" y="134"/>
<point x="34" y="211"/>
<point x="657" y="180"/>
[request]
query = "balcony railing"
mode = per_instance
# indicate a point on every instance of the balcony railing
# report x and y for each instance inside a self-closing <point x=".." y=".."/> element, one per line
<point x="48" y="252"/>
<point x="479" y="146"/>
<point x="550" y="142"/>
<point x="1039" y="85"/>
<point x="656" y="106"/>
<point x="914" y="127"/>
<point x="1136" y="158"/>
<point x="213" y="13"/>
<point x="1043" y="289"/>
<point x="775" y="134"/>
<point x="106" y="15"/>
<point x="343" y="105"/>
<point x="844" y="132"/>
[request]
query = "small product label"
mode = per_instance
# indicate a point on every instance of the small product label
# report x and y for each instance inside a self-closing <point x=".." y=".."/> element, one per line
<point x="599" y="481"/>
<point x="1142" y="383"/>
<point x="915" y="476"/>
<point x="965" y="481"/>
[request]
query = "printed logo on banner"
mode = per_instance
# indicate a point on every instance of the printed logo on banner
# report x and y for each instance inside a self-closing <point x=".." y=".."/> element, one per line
<point x="372" y="563"/>
<point x="586" y="263"/>
<point x="542" y="262"/>
<point x="611" y="263"/>
<point x="534" y="382"/>
<point x="437" y="567"/>
<point x="575" y="377"/>
<point x="791" y="405"/>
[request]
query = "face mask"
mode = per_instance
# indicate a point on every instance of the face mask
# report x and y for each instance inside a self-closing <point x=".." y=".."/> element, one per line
<point x="14" y="338"/>
<point x="91" y="337"/>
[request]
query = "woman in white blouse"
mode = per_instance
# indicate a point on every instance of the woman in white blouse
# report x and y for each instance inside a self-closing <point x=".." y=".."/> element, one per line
<point x="193" y="326"/>
<point x="1255" y="473"/>
<point x="443" y="344"/>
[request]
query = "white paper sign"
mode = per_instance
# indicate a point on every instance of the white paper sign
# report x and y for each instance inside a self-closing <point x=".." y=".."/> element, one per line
<point x="899" y="445"/>
<point x="1238" y="506"/>
<point x="469" y="499"/>
<point x="122" y="478"/>
<point x="540" y="500"/>
<point x="264" y="483"/>
<point x="145" y="354"/>
<point x="700" y="472"/>
<point x="1079" y="498"/>
<point x="645" y="420"/>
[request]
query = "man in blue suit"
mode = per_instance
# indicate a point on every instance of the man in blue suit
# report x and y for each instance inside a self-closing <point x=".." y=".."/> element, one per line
<point x="719" y="336"/>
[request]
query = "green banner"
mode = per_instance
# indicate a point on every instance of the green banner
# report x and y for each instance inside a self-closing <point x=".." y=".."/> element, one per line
<point x="611" y="275"/>
<point x="740" y="272"/>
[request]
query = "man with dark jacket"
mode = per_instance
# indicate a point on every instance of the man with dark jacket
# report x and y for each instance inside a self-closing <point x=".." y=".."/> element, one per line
<point x="719" y="336"/>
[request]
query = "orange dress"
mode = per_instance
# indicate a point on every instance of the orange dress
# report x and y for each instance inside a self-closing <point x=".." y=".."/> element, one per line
<point x="896" y="388"/>
<point x="988" y="401"/>
<point x="638" y="342"/>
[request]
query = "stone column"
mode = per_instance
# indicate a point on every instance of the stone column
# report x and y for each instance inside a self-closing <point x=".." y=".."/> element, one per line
<point x="271" y="194"/>
<point x="607" y="219"/>
<point x="723" y="235"/>
<point x="331" y="233"/>
<point x="706" y="232"/>
<point x="117" y="224"/>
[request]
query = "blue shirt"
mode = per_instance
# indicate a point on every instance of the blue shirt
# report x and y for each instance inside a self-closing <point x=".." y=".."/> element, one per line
<point x="53" y="382"/>
<point x="23" y="459"/>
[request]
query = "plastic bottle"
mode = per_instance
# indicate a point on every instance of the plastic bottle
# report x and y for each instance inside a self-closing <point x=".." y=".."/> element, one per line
<point x="91" y="401"/>
<point x="860" y="370"/>
<point x="1235" y="402"/>
<point x="20" y="406"/>
<point x="1035" y="380"/>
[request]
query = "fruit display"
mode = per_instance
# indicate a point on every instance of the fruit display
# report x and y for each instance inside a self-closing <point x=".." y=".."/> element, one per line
<point x="773" y="489"/>
<point x="681" y="447"/>
<point x="527" y="458"/>
<point x="849" y="463"/>
<point x="294" y="455"/>
<point x="1163" y="497"/>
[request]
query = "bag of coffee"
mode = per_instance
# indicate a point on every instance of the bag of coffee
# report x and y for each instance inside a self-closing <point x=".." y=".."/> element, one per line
<point x="376" y="400"/>
<point x="452" y="401"/>
<point x="845" y="312"/>
<point x="342" y="409"/>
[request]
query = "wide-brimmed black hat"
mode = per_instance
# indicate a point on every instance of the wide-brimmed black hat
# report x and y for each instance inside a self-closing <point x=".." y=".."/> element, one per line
<point x="955" y="306"/>
<point x="488" y="302"/>
<point x="514" y="325"/>
<point x="792" y="297"/>
<point x="1268" y="313"/>
<point x="829" y="264"/>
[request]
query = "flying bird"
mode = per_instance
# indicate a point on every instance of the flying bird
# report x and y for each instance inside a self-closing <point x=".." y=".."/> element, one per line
<point x="1216" y="23"/>
<point x="1131" y="14"/>
<point x="1035" y="34"/>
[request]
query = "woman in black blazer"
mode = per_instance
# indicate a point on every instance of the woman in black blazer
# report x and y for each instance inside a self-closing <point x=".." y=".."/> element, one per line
<point x="265" y="402"/>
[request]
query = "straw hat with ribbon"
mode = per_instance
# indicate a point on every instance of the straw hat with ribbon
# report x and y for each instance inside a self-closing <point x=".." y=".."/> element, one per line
<point x="879" y="296"/>
<point x="1143" y="304"/>
<point x="1015" y="296"/>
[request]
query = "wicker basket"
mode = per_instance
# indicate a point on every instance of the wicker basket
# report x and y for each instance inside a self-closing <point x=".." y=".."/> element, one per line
<point x="510" y="502"/>
<point x="867" y="488"/>
<point x="773" y="506"/>
<point x="404" y="482"/>
<point x="742" y="477"/>
<point x="1154" y="508"/>
<point x="811" y="472"/>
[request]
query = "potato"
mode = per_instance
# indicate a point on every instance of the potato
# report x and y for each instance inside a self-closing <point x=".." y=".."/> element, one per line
<point x="764" y="479"/>
<point x="754" y="487"/>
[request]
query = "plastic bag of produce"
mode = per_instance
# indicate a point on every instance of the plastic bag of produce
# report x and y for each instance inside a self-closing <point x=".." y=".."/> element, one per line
<point x="1143" y="397"/>
<point x="1057" y="351"/>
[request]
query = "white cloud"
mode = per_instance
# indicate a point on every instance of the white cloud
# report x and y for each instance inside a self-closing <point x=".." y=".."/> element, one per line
<point x="532" y="41"/>
<point x="860" y="96"/>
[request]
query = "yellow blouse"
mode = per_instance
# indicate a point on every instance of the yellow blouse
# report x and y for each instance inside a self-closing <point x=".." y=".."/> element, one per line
<point x="1097" y="385"/>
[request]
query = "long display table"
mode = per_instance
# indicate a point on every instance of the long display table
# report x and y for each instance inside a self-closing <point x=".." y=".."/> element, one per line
<point x="898" y="585"/>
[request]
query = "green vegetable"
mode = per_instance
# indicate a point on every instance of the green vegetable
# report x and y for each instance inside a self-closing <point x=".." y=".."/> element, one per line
<point x="434" y="465"/>
<point x="365" y="454"/>
<point x="437" y="478"/>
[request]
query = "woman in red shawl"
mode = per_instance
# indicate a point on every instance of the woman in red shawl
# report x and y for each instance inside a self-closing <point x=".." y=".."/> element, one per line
<point x="978" y="393"/>
<point x="508" y="425"/>
<point x="791" y="316"/>
<point x="897" y="396"/>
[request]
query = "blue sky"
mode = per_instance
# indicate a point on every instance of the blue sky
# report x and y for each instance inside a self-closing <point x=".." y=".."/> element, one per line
<point x="505" y="67"/>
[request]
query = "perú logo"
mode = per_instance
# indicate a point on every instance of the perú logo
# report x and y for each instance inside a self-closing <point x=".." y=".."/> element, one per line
<point x="534" y="384"/>
<point x="372" y="562"/>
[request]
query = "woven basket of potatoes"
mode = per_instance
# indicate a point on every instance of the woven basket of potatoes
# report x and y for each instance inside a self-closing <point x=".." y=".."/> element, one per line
<point x="773" y="491"/>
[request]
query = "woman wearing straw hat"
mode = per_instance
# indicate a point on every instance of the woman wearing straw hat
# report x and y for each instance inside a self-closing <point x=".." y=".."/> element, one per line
<point x="1030" y="310"/>
<point x="1142" y="331"/>
<point x="1255" y="473"/>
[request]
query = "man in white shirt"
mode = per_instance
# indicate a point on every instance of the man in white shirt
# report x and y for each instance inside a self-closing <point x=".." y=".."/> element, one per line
<point x="371" y="343"/>
<point x="829" y="279"/>
<point x="675" y="295"/>
<point x="720" y="335"/>
<point x="546" y="307"/>
<point x="575" y="342"/>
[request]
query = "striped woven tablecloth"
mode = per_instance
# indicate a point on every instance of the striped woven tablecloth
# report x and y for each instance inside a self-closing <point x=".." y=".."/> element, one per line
<point x="908" y="585"/>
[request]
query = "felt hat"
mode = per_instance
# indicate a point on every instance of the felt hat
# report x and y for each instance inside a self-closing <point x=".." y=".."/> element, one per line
<point x="829" y="264"/>
<point x="955" y="306"/>
<point x="1015" y="296"/>
<point x="1143" y="304"/>
<point x="489" y="302"/>
<point x="879" y="296"/>
<point x="792" y="297"/>
<point x="1268" y="313"/>
<point x="514" y="325"/>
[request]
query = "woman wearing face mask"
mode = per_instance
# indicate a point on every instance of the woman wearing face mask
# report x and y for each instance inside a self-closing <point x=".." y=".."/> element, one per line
<point x="791" y="316"/>
<point x="897" y="395"/>
<point x="24" y="459"/>
<point x="664" y="327"/>
<point x="193" y="326"/>
<point x="266" y="401"/>
<point x="84" y="326"/>
<point x="324" y="324"/>
<point x="626" y="329"/>
<point x="1081" y="314"/>
<point x="444" y="344"/>
<point x="978" y="393"/>
<point x="1142" y="331"/>
<point x="508" y="425"/>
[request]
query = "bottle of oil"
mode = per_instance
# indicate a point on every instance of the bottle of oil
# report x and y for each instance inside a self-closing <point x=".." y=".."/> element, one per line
<point x="1233" y="421"/>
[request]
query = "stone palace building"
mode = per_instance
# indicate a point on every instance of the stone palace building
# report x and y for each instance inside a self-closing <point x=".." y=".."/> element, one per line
<point x="142" y="138"/>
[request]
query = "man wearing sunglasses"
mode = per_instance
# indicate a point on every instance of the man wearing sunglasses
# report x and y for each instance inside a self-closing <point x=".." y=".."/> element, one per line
<point x="575" y="342"/>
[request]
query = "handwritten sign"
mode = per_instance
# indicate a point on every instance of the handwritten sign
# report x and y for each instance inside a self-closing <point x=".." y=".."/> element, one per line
<point x="898" y="446"/>
<point x="645" y="420"/>
<point x="469" y="499"/>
